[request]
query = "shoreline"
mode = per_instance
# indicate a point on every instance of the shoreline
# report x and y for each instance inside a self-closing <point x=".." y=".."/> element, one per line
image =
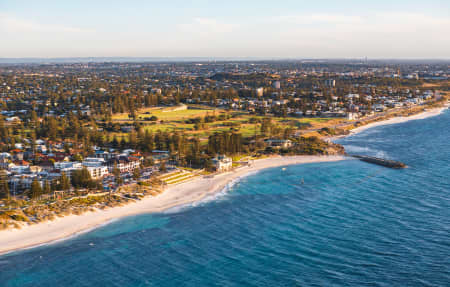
<point x="63" y="228"/>
<point x="395" y="120"/>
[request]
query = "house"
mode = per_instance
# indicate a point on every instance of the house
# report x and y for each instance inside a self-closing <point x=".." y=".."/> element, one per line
<point x="59" y="157"/>
<point x="127" y="129"/>
<point x="103" y="154"/>
<point x="159" y="155"/>
<point x="4" y="163"/>
<point x="35" y="169"/>
<point x="330" y="83"/>
<point x="5" y="155"/>
<point x="95" y="166"/>
<point x="67" y="167"/>
<point x="13" y="120"/>
<point x="41" y="148"/>
<point x="352" y="116"/>
<point x="97" y="172"/>
<point x="19" y="167"/>
<point x="222" y="163"/>
<point x="378" y="108"/>
<point x="278" y="143"/>
<point x="351" y="96"/>
<point x="260" y="92"/>
<point x="123" y="163"/>
<point x="21" y="182"/>
<point x="47" y="165"/>
<point x="127" y="152"/>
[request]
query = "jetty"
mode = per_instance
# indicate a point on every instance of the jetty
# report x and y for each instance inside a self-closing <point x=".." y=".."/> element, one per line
<point x="381" y="161"/>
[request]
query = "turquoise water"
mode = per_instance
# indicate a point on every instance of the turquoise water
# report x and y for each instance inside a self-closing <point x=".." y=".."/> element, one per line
<point x="350" y="224"/>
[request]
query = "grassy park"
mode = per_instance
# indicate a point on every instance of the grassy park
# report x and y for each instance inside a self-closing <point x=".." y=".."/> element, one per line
<point x="168" y="119"/>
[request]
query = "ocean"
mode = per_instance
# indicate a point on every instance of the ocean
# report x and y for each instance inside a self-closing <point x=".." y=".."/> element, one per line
<point x="346" y="223"/>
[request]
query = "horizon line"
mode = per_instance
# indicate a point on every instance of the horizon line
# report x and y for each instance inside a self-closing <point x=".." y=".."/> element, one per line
<point x="23" y="60"/>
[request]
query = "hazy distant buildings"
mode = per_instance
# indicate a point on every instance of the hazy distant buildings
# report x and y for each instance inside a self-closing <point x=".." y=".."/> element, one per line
<point x="260" y="92"/>
<point x="330" y="83"/>
<point x="413" y="76"/>
<point x="276" y="85"/>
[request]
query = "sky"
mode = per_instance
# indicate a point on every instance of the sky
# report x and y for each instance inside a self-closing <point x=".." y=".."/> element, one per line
<point x="231" y="28"/>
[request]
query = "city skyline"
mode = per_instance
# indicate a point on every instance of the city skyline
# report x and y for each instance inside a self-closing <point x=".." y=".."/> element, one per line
<point x="257" y="29"/>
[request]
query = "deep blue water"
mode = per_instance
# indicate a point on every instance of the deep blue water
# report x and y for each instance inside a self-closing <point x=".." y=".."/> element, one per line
<point x="350" y="224"/>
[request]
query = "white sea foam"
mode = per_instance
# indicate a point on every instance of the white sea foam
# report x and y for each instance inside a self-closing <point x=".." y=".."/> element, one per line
<point x="355" y="148"/>
<point x="220" y="195"/>
<point x="66" y="238"/>
<point x="366" y="150"/>
<point x="199" y="191"/>
<point x="182" y="207"/>
<point x="214" y="197"/>
<point x="381" y="154"/>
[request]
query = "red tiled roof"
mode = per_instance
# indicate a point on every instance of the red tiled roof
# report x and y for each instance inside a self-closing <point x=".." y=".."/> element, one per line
<point x="22" y="162"/>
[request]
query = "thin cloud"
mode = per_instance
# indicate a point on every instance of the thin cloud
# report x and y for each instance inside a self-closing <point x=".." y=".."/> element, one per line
<point x="13" y="24"/>
<point x="207" y="26"/>
<point x="319" y="18"/>
<point x="380" y="34"/>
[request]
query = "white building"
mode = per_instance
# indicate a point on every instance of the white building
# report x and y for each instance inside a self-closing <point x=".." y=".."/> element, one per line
<point x="68" y="167"/>
<point x="22" y="182"/>
<point x="97" y="172"/>
<point x="330" y="83"/>
<point x="351" y="96"/>
<point x="93" y="161"/>
<point x="222" y="163"/>
<point x="96" y="167"/>
<point x="352" y="116"/>
<point x="260" y="92"/>
<point x="279" y="143"/>
<point x="124" y="163"/>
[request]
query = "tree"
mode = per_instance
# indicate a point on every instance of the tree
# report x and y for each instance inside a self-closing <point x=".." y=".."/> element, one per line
<point x="82" y="179"/>
<point x="36" y="189"/>
<point x="266" y="126"/>
<point x="149" y="161"/>
<point x="47" y="187"/>
<point x="136" y="173"/>
<point x="77" y="157"/>
<point x="115" y="142"/>
<point x="209" y="165"/>
<point x="64" y="182"/>
<point x="162" y="166"/>
<point x="117" y="176"/>
<point x="4" y="188"/>
<point x="54" y="185"/>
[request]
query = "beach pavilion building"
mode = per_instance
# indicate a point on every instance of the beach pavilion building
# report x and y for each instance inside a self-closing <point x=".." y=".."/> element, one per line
<point x="222" y="163"/>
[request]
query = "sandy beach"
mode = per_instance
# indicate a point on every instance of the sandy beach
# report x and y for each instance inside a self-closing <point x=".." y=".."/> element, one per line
<point x="396" y="120"/>
<point x="176" y="195"/>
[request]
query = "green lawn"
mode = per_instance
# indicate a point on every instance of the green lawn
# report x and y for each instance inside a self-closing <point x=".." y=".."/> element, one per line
<point x="180" y="115"/>
<point x="169" y="127"/>
<point x="174" y="121"/>
<point x="167" y="114"/>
